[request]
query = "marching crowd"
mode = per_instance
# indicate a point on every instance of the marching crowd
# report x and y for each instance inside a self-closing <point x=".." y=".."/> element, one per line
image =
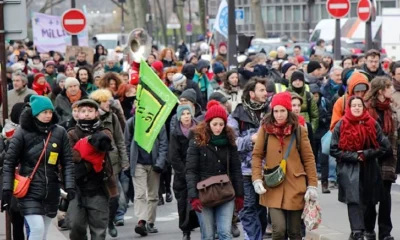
<point x="244" y="145"/>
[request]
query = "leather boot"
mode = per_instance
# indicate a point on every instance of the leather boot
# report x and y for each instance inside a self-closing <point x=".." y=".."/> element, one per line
<point x="325" y="188"/>
<point x="186" y="236"/>
<point x="356" y="236"/>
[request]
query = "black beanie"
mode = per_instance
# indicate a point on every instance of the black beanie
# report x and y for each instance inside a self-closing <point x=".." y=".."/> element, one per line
<point x="297" y="75"/>
<point x="16" y="112"/>
<point x="286" y="67"/>
<point x="312" y="66"/>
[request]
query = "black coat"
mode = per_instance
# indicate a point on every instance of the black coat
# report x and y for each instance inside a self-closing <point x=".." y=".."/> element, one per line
<point x="359" y="182"/>
<point x="204" y="162"/>
<point x="178" y="146"/>
<point x="24" y="149"/>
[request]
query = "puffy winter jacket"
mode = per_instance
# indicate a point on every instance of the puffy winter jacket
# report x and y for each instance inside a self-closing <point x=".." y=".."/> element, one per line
<point x="24" y="149"/>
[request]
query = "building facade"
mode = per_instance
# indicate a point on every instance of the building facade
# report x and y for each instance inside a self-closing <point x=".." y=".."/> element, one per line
<point x="294" y="18"/>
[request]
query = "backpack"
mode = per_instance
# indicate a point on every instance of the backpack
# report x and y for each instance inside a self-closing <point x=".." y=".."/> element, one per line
<point x="308" y="97"/>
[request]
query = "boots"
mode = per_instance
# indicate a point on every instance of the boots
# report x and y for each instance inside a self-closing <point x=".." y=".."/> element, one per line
<point x="356" y="236"/>
<point x="161" y="201"/>
<point x="186" y="236"/>
<point x="370" y="235"/>
<point x="112" y="230"/>
<point x="235" y="231"/>
<point x="325" y="188"/>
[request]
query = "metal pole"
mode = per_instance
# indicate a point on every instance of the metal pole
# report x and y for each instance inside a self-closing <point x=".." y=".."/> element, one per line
<point x="4" y="92"/>
<point x="368" y="35"/>
<point x="74" y="40"/>
<point x="122" y="23"/>
<point x="190" y="22"/>
<point x="175" y="35"/>
<point x="337" y="43"/>
<point x="232" y="50"/>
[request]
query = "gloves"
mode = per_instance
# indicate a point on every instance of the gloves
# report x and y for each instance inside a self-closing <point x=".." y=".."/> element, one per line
<point x="259" y="187"/>
<point x="196" y="204"/>
<point x="311" y="194"/>
<point x="239" y="202"/>
<point x="6" y="200"/>
<point x="71" y="194"/>
<point x="157" y="169"/>
<point x="101" y="142"/>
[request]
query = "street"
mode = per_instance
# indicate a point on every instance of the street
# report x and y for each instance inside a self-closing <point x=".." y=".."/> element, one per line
<point x="334" y="216"/>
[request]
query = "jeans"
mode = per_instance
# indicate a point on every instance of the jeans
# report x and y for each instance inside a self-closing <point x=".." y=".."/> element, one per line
<point x="253" y="216"/>
<point x="125" y="182"/>
<point x="356" y="217"/>
<point x="385" y="208"/>
<point x="122" y="205"/>
<point x="332" y="169"/>
<point x="286" y="221"/>
<point x="39" y="225"/>
<point x="219" y="217"/>
<point x="324" y="160"/>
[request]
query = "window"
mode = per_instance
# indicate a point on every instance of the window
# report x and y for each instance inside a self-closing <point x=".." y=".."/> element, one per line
<point x="247" y="15"/>
<point x="382" y="5"/>
<point x="264" y="13"/>
<point x="296" y="13"/>
<point x="315" y="13"/>
<point x="270" y="14"/>
<point x="324" y="12"/>
<point x="353" y="10"/>
<point x="305" y="13"/>
<point x="288" y="14"/>
<point x="279" y="15"/>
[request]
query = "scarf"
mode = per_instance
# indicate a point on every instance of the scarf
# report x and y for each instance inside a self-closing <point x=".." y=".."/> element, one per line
<point x="75" y="98"/>
<point x="279" y="130"/>
<point x="387" y="120"/>
<point x="302" y="120"/>
<point x="185" y="130"/>
<point x="43" y="127"/>
<point x="334" y="86"/>
<point x="357" y="133"/>
<point x="42" y="90"/>
<point x="396" y="85"/>
<point x="88" y="125"/>
<point x="220" y="140"/>
<point x="252" y="108"/>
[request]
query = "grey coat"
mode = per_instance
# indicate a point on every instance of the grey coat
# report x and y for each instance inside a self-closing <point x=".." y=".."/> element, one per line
<point x="118" y="156"/>
<point x="158" y="153"/>
<point x="63" y="105"/>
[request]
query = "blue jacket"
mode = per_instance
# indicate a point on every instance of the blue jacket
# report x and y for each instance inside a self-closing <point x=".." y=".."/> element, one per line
<point x="158" y="153"/>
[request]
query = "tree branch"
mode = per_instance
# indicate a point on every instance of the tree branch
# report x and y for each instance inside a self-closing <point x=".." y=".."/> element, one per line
<point x="119" y="5"/>
<point x="47" y="6"/>
<point x="28" y="3"/>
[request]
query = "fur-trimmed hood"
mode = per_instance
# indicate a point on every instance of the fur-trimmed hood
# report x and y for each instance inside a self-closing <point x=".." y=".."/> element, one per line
<point x="27" y="119"/>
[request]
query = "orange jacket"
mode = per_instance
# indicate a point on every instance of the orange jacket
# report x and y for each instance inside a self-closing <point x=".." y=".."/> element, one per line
<point x="339" y="107"/>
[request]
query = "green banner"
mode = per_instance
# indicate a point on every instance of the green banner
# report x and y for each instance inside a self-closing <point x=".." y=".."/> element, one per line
<point x="154" y="104"/>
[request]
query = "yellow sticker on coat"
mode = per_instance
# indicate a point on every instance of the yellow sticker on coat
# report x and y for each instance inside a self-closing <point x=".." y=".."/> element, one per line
<point x="53" y="158"/>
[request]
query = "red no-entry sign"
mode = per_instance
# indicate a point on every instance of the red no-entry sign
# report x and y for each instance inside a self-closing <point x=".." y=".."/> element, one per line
<point x="338" y="8"/>
<point x="73" y="21"/>
<point x="364" y="10"/>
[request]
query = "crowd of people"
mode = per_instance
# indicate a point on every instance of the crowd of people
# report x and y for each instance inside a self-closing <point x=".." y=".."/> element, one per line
<point x="258" y="129"/>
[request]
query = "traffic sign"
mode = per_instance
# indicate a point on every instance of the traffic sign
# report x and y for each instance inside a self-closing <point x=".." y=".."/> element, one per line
<point x="189" y="29"/>
<point x="15" y="19"/>
<point x="73" y="21"/>
<point x="364" y="10"/>
<point x="338" y="8"/>
<point x="239" y="16"/>
<point x="173" y="22"/>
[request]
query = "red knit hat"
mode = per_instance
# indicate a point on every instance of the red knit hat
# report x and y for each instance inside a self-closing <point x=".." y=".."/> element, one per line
<point x="37" y="76"/>
<point x="215" y="110"/>
<point x="284" y="99"/>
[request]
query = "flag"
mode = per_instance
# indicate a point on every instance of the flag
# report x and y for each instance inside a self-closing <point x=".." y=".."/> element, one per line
<point x="221" y="21"/>
<point x="155" y="102"/>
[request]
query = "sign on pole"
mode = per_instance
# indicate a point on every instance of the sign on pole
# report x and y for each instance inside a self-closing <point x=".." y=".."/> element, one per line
<point x="15" y="20"/>
<point x="173" y="22"/>
<point x="189" y="29"/>
<point x="73" y="21"/>
<point x="239" y="16"/>
<point x="338" y="8"/>
<point x="364" y="10"/>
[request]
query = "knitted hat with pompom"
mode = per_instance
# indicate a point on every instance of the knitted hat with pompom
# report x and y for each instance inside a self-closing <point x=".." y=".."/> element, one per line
<point x="215" y="110"/>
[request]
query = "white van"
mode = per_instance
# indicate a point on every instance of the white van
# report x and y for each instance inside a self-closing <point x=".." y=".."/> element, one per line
<point x="111" y="40"/>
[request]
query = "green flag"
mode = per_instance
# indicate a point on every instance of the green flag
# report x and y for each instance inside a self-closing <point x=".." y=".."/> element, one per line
<point x="154" y="104"/>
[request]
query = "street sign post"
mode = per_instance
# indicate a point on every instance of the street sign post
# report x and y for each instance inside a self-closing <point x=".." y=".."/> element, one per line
<point x="337" y="9"/>
<point x="189" y="29"/>
<point x="73" y="21"/>
<point x="239" y="16"/>
<point x="364" y="10"/>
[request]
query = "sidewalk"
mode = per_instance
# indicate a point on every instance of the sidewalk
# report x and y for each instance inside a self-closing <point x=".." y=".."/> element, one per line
<point x="52" y="234"/>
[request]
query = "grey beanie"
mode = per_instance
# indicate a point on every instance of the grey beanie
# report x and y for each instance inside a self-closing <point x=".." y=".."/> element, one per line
<point x="189" y="94"/>
<point x="61" y="77"/>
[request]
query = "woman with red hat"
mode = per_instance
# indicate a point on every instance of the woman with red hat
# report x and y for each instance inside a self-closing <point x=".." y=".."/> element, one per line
<point x="40" y="86"/>
<point x="212" y="153"/>
<point x="275" y="142"/>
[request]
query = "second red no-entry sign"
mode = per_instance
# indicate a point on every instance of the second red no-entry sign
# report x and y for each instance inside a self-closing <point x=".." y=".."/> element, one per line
<point x="364" y="10"/>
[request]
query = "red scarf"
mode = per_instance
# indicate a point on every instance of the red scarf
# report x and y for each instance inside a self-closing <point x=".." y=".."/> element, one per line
<point x="42" y="90"/>
<point x="387" y="115"/>
<point x="279" y="130"/>
<point x="302" y="121"/>
<point x="74" y="98"/>
<point x="357" y="133"/>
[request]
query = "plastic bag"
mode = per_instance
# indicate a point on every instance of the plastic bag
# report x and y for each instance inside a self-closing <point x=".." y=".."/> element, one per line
<point x="312" y="215"/>
<point x="326" y="143"/>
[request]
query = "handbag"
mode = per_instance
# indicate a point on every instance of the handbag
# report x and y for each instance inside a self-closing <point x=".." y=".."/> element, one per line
<point x="21" y="183"/>
<point x="275" y="176"/>
<point x="326" y="143"/>
<point x="216" y="190"/>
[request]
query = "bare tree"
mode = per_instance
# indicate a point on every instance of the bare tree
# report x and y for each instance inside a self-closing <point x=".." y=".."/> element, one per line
<point x="162" y="22"/>
<point x="258" y="20"/>
<point x="202" y="15"/>
<point x="48" y="4"/>
<point x="132" y="10"/>
<point x="180" y="6"/>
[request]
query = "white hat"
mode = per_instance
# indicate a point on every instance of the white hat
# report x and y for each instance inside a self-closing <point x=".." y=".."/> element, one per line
<point x="70" y="81"/>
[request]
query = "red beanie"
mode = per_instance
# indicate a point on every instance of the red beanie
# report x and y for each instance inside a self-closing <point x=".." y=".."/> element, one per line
<point x="284" y="99"/>
<point x="37" y="76"/>
<point x="215" y="110"/>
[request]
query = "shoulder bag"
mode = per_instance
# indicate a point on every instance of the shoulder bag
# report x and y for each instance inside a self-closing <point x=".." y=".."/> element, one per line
<point x="216" y="190"/>
<point x="21" y="183"/>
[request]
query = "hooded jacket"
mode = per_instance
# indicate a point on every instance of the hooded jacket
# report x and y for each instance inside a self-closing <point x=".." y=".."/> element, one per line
<point x="339" y="107"/>
<point x="378" y="72"/>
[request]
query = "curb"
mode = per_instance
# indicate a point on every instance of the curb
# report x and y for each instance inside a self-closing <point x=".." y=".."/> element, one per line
<point x="325" y="233"/>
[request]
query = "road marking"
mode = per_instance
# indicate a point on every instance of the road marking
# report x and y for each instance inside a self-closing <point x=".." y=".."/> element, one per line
<point x="127" y="217"/>
<point x="73" y="22"/>
<point x="338" y="6"/>
<point x="171" y="217"/>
